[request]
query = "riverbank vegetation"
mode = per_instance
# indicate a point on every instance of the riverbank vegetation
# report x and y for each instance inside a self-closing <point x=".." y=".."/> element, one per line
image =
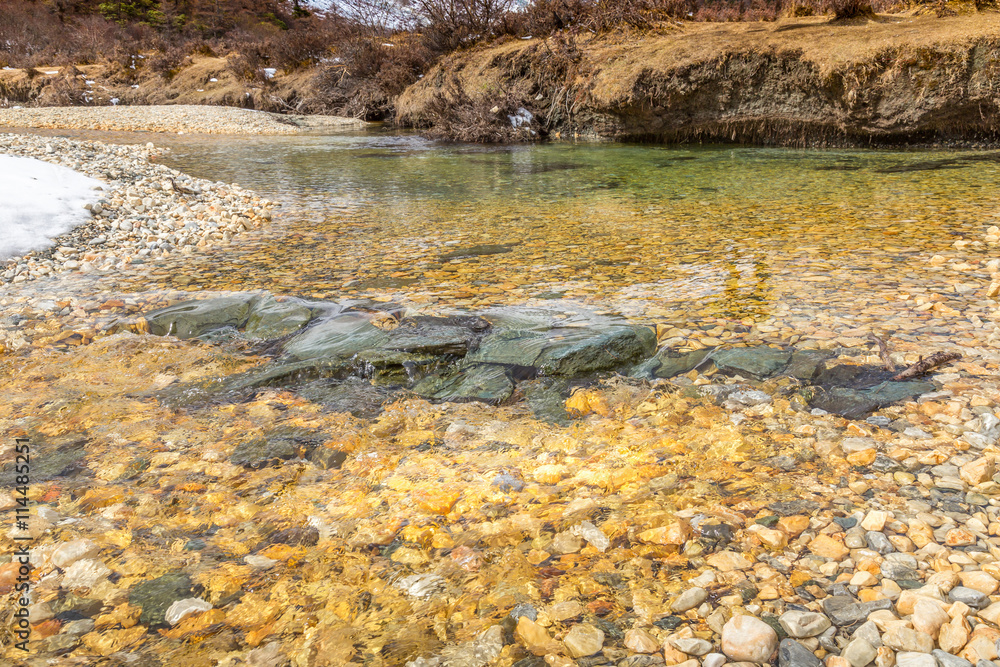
<point x="357" y="57"/>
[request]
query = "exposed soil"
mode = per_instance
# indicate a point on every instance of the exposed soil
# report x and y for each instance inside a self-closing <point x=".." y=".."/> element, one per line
<point x="805" y="81"/>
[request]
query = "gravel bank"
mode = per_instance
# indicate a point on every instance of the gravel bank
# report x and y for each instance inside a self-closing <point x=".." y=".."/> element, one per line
<point x="180" y="118"/>
<point x="145" y="210"/>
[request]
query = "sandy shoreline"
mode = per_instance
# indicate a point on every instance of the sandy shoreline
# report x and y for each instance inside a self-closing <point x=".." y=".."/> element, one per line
<point x="186" y="119"/>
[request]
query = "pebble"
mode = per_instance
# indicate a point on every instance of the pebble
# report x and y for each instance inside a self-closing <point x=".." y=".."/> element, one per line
<point x="748" y="639"/>
<point x="583" y="640"/>
<point x="801" y="624"/>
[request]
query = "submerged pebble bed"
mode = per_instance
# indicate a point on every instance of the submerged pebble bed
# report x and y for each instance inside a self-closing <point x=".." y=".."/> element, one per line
<point x="705" y="519"/>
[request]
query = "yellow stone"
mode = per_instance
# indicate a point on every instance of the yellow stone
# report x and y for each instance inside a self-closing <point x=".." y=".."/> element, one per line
<point x="794" y="525"/>
<point x="828" y="547"/>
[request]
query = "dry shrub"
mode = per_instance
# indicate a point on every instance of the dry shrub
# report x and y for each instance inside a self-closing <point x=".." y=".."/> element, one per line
<point x="850" y="9"/>
<point x="367" y="75"/>
<point x="249" y="63"/>
<point x="168" y="62"/>
<point x="454" y="116"/>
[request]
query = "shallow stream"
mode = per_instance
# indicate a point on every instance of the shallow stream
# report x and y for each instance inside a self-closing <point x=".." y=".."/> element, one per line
<point x="326" y="538"/>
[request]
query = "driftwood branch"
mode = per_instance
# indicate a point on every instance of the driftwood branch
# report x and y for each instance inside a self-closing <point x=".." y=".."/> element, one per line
<point x="925" y="364"/>
<point x="883" y="352"/>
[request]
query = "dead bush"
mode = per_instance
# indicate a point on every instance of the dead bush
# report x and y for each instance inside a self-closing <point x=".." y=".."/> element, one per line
<point x="849" y="9"/>
<point x="453" y="115"/>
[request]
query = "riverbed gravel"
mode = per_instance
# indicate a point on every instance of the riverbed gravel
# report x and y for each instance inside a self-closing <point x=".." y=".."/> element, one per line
<point x="188" y="119"/>
<point x="145" y="210"/>
<point x="702" y="520"/>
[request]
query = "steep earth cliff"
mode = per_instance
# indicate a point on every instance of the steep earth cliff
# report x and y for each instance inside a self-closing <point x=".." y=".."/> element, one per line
<point x="807" y="81"/>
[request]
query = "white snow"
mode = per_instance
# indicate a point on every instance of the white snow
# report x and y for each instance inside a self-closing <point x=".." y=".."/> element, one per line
<point x="39" y="201"/>
<point x="523" y="117"/>
<point x="269" y="72"/>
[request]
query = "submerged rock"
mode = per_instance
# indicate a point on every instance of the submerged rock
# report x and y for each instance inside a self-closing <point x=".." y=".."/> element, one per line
<point x="191" y="319"/>
<point x="156" y="596"/>
<point x="855" y="404"/>
<point x="568" y="351"/>
<point x="668" y="363"/>
<point x="276" y="446"/>
<point x="340" y="337"/>
<point x="271" y="318"/>
<point x="759" y="361"/>
<point x="482" y="382"/>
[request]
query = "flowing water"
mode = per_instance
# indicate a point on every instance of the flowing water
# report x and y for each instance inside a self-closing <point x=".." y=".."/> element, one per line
<point x="714" y="245"/>
<point x="643" y="230"/>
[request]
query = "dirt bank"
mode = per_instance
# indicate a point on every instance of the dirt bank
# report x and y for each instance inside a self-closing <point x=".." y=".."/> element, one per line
<point x="806" y="81"/>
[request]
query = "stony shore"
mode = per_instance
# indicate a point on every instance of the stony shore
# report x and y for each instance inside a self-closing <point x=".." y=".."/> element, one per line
<point x="187" y="119"/>
<point x="146" y="210"/>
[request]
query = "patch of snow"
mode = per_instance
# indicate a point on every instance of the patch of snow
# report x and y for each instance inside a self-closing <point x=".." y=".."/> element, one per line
<point x="269" y="72"/>
<point x="135" y="85"/>
<point x="115" y="101"/>
<point x="522" y="117"/>
<point x="38" y="202"/>
<point x="213" y="79"/>
<point x="55" y="72"/>
<point x="200" y="90"/>
<point x="89" y="83"/>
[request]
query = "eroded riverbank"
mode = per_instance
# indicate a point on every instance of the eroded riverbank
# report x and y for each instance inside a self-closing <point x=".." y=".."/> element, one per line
<point x="639" y="520"/>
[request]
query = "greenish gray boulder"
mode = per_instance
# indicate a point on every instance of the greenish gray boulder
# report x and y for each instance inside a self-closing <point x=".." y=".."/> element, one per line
<point x="339" y="337"/>
<point x="480" y="382"/>
<point x="568" y="351"/>
<point x="759" y="361"/>
<point x="271" y="318"/>
<point x="191" y="319"/>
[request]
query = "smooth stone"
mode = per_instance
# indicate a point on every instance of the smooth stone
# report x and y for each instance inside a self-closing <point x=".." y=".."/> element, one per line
<point x="946" y="659"/>
<point x="859" y="652"/>
<point x="481" y="382"/>
<point x="181" y="608"/>
<point x="191" y="319"/>
<point x="668" y="363"/>
<point x="855" y="404"/>
<point x="692" y="646"/>
<point x="759" y="361"/>
<point x="969" y="596"/>
<point x="340" y="337"/>
<point x="879" y="542"/>
<point x="640" y="641"/>
<point x="567" y="351"/>
<point x="912" y="659"/>
<point x="748" y="639"/>
<point x="843" y="610"/>
<point x="901" y="638"/>
<point x="583" y="640"/>
<point x="689" y="599"/>
<point x="70" y="552"/>
<point x="869" y="632"/>
<point x="86" y="573"/>
<point x="793" y="654"/>
<point x="801" y="624"/>
<point x="270" y="318"/>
